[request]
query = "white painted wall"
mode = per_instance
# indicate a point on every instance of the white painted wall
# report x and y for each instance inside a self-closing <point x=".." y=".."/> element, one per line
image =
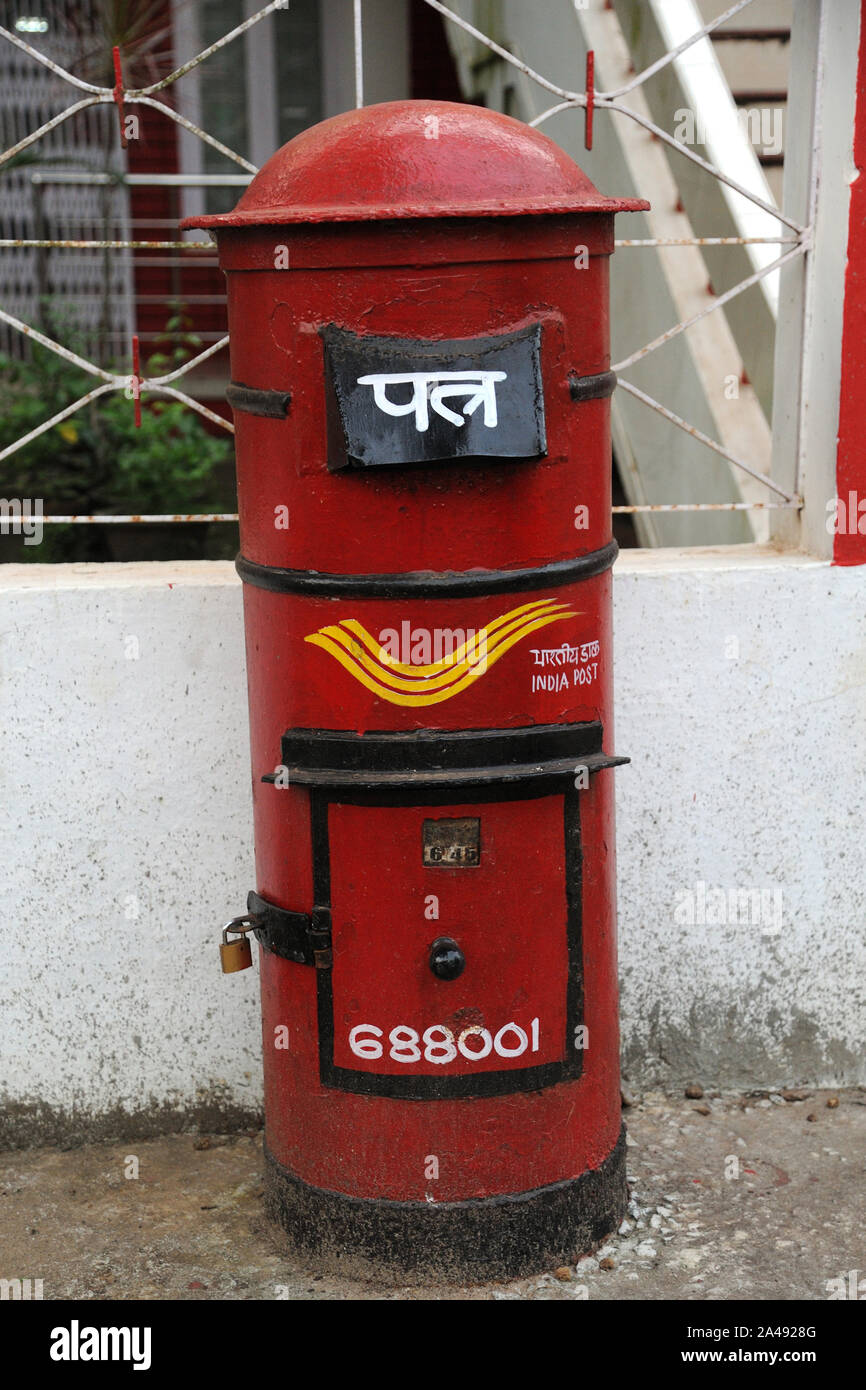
<point x="125" y="787"/>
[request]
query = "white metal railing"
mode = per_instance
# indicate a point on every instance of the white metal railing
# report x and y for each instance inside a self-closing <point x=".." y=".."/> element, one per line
<point x="76" y="176"/>
<point x="132" y="384"/>
<point x="796" y="235"/>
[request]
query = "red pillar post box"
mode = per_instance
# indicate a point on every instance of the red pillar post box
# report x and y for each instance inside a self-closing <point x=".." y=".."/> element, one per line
<point x="418" y="311"/>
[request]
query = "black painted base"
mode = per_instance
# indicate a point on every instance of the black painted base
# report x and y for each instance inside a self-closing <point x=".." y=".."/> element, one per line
<point x="489" y="1238"/>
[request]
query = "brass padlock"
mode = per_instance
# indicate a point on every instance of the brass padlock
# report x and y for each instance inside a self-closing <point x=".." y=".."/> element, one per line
<point x="235" y="955"/>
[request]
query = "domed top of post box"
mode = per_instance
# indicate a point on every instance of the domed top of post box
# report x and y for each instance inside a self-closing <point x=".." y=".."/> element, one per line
<point x="412" y="159"/>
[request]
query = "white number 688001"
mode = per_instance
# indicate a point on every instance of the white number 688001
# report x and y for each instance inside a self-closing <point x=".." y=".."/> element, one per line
<point x="440" y="1045"/>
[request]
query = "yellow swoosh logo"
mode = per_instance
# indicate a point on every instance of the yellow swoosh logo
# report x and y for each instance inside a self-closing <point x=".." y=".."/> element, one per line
<point x="363" y="657"/>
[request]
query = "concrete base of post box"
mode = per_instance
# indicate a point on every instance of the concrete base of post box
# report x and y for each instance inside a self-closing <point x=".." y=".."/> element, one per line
<point x="489" y="1238"/>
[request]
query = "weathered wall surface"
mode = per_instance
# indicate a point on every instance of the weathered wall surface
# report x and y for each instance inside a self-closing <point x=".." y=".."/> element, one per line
<point x="741" y="696"/>
<point x="125" y="811"/>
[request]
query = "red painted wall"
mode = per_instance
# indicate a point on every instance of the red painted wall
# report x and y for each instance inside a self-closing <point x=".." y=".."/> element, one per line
<point x="850" y="545"/>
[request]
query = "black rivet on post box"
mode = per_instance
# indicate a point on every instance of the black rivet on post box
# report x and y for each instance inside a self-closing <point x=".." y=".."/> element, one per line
<point x="447" y="961"/>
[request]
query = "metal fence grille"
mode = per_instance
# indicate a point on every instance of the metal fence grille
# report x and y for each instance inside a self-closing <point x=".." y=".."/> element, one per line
<point x="34" y="208"/>
<point x="116" y="102"/>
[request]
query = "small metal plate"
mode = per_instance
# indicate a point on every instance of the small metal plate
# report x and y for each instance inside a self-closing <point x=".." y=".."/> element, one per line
<point x="452" y="844"/>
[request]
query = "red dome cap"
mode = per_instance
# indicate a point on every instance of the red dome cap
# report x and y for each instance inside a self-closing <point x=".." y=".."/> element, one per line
<point x="416" y="159"/>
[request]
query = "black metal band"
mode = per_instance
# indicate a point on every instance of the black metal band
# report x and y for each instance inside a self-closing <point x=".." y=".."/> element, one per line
<point x="502" y="1237"/>
<point x="592" y="388"/>
<point x="252" y="401"/>
<point x="436" y="757"/>
<point x="299" y="936"/>
<point x="427" y="583"/>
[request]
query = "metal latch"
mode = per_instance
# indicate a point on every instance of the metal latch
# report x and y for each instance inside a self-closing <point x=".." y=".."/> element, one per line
<point x="304" y="937"/>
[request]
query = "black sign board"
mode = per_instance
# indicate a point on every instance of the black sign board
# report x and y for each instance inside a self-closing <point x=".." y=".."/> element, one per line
<point x="409" y="400"/>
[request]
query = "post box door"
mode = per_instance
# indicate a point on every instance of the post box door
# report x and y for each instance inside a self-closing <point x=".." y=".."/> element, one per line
<point x="501" y="878"/>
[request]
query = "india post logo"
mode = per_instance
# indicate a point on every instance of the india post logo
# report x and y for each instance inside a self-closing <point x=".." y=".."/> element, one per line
<point x="408" y="668"/>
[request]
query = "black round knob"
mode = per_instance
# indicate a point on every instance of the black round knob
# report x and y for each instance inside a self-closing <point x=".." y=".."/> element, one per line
<point x="447" y="961"/>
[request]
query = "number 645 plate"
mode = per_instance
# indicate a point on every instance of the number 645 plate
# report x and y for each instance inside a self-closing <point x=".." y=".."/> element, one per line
<point x="452" y="843"/>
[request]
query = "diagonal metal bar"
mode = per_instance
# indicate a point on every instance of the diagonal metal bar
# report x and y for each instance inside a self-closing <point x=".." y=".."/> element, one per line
<point x="188" y="366"/>
<point x="60" y="416"/>
<point x="713" y="169"/>
<point x="33" y="135"/>
<point x="718" y="303"/>
<point x="94" y="370"/>
<point x="610" y="105"/>
<point x="207" y="52"/>
<point x="655" y="67"/>
<point x="191" y="402"/>
<point x="704" y="439"/>
<point x="112" y="382"/>
<point x="49" y="63"/>
<point x="195" y="130"/>
<point x="674" y="53"/>
<point x="572" y="98"/>
<point x="154" y="86"/>
<point x="120" y="383"/>
<point x="37" y="337"/>
<point x="555" y="110"/>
